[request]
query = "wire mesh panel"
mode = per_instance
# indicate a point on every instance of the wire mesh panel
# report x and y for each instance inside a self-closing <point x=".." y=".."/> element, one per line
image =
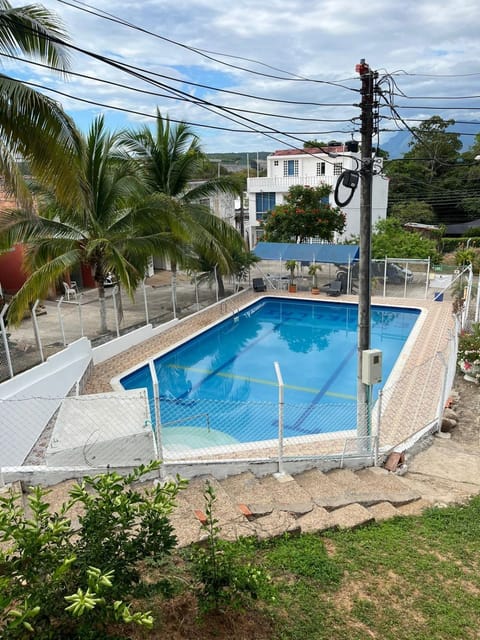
<point x="409" y="405"/>
<point x="209" y="429"/>
<point x="105" y="429"/>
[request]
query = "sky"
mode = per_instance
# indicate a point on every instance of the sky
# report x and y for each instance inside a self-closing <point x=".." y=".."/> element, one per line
<point x="251" y="76"/>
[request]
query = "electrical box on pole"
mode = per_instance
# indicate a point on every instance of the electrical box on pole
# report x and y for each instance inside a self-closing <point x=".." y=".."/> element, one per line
<point x="371" y="366"/>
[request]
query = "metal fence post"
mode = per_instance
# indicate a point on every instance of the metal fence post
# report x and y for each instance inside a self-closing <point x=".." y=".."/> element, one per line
<point x="145" y="302"/>
<point x="80" y="314"/>
<point x="35" y="329"/>
<point x="158" y="419"/>
<point x="443" y="395"/>
<point x="5" y="339"/>
<point x="280" y="417"/>
<point x="196" y="292"/>
<point x="376" y="440"/>
<point x="60" y="319"/>
<point x="115" y="311"/>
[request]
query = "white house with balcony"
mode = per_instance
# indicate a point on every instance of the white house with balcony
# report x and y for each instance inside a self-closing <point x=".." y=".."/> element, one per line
<point x="312" y="167"/>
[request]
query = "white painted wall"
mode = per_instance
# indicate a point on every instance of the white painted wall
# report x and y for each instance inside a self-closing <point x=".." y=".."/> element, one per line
<point x="276" y="182"/>
<point x="29" y="400"/>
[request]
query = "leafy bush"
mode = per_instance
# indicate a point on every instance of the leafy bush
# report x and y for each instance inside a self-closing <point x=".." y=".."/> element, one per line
<point x="468" y="357"/>
<point x="222" y="578"/>
<point x="45" y="562"/>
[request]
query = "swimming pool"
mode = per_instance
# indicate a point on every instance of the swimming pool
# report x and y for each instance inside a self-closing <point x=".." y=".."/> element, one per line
<point x="224" y="378"/>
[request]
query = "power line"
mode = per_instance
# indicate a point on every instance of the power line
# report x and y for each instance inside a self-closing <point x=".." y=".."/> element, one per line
<point x="206" y="104"/>
<point x="85" y="7"/>
<point x="153" y="116"/>
<point x="163" y="95"/>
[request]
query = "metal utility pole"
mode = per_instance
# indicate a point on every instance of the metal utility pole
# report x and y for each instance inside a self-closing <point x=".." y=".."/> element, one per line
<point x="367" y="77"/>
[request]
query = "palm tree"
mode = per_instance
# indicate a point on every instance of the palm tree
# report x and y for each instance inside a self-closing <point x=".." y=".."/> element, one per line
<point x="169" y="158"/>
<point x="114" y="229"/>
<point x="32" y="126"/>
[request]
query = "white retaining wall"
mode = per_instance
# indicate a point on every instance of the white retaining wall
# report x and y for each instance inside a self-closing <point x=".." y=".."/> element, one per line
<point x="122" y="343"/>
<point x="22" y="420"/>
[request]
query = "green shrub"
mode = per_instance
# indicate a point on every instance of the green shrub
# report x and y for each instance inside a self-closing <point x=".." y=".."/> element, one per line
<point x="45" y="563"/>
<point x="223" y="578"/>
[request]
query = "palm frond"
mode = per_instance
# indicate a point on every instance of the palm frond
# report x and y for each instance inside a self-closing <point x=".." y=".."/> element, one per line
<point x="35" y="31"/>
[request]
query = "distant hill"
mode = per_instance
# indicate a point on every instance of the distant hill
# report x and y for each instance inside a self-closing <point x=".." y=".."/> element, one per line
<point x="397" y="145"/>
<point x="239" y="158"/>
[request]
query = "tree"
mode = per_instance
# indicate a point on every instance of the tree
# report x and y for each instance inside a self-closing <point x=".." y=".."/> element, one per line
<point x="32" y="126"/>
<point x="430" y="170"/>
<point x="168" y="159"/>
<point x="434" y="146"/>
<point x="391" y="240"/>
<point x="305" y="214"/>
<point x="204" y="256"/>
<point x="113" y="229"/>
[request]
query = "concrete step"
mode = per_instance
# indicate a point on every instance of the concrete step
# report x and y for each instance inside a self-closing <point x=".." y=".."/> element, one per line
<point x="387" y="486"/>
<point x="275" y="524"/>
<point x="351" y="516"/>
<point x="383" y="511"/>
<point x="322" y="489"/>
<point x="318" y="519"/>
<point x="188" y="516"/>
<point x="414" y="508"/>
<point x="264" y="495"/>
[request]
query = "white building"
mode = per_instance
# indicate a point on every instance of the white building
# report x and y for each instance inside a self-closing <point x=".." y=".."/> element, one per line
<point x="312" y="167"/>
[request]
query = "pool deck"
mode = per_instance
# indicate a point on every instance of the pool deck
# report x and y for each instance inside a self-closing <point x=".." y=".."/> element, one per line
<point x="410" y="398"/>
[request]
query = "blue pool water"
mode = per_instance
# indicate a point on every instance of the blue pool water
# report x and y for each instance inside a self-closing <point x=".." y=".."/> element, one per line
<point x="223" y="381"/>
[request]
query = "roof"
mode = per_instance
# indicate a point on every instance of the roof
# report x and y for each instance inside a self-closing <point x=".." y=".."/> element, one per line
<point x="461" y="228"/>
<point x="335" y="253"/>
<point x="422" y="227"/>
<point x="310" y="151"/>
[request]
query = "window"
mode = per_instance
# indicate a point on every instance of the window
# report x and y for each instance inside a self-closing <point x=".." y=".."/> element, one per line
<point x="290" y="167"/>
<point x="320" y="168"/>
<point x="264" y="202"/>
<point x="337" y="168"/>
<point x="275" y="163"/>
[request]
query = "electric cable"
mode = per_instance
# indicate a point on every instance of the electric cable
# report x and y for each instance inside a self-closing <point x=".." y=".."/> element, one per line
<point x="206" y="104"/>
<point x="85" y="7"/>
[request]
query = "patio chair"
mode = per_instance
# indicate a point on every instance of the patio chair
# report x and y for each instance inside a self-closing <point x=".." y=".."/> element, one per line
<point x="70" y="290"/>
<point x="259" y="284"/>
<point x="335" y="288"/>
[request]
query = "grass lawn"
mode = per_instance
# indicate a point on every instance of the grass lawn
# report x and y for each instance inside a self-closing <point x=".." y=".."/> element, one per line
<point x="415" y="578"/>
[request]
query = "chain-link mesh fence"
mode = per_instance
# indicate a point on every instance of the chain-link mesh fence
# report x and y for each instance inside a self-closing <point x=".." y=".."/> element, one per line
<point x="400" y="278"/>
<point x="61" y="322"/>
<point x="120" y="428"/>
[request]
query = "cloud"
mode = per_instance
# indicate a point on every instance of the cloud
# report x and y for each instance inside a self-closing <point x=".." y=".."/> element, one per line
<point x="432" y="46"/>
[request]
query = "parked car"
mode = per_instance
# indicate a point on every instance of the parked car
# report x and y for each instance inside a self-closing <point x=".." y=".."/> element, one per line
<point x="395" y="273"/>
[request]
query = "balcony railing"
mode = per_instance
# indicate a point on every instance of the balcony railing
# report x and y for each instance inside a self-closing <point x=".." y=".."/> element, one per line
<point x="283" y="184"/>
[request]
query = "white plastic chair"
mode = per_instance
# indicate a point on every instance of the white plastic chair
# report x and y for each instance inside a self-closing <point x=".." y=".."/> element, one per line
<point x="70" y="290"/>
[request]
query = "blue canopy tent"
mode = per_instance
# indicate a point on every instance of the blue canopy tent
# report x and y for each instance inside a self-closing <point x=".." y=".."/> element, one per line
<point x="333" y="253"/>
